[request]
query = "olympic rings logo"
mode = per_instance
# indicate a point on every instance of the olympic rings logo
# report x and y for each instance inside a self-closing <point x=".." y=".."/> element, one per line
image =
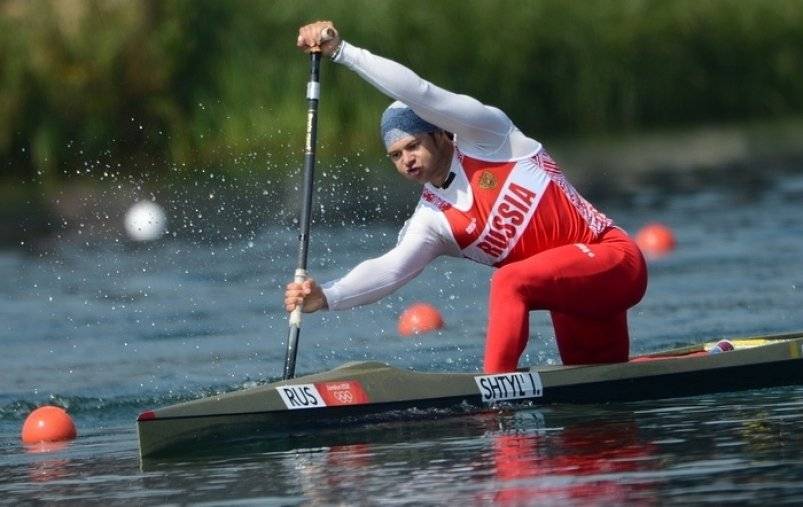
<point x="344" y="397"/>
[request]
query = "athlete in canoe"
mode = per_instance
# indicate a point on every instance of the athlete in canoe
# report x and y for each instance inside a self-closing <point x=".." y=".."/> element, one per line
<point x="493" y="195"/>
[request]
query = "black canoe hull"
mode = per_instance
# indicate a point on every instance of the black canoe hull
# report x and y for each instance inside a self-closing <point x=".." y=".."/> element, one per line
<point x="366" y="392"/>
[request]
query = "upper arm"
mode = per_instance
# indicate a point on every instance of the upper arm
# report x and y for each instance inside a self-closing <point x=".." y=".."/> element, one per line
<point x="474" y="123"/>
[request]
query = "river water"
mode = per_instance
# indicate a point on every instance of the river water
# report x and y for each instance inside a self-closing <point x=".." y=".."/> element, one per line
<point x="108" y="329"/>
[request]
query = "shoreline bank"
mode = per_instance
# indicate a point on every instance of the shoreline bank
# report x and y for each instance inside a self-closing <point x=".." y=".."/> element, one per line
<point x="640" y="160"/>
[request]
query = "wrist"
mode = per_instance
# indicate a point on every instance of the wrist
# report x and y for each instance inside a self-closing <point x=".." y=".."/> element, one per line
<point x="335" y="54"/>
<point x="324" y="303"/>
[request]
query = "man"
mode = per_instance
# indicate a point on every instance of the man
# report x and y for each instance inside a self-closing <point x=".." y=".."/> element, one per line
<point x="493" y="195"/>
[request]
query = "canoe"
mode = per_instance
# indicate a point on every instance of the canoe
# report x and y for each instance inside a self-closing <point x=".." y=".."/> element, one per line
<point x="364" y="392"/>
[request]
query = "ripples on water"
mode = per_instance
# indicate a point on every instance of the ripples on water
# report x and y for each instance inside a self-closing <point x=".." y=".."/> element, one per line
<point x="107" y="330"/>
<point x="717" y="449"/>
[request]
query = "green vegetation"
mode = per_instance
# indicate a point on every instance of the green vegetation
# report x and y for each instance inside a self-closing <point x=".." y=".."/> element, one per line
<point x="160" y="85"/>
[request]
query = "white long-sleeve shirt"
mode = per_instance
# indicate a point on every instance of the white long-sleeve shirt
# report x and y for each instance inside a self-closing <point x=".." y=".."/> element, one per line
<point x="481" y="132"/>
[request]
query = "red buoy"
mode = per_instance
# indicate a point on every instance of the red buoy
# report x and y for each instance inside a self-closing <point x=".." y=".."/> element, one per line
<point x="419" y="318"/>
<point x="655" y="240"/>
<point x="48" y="424"/>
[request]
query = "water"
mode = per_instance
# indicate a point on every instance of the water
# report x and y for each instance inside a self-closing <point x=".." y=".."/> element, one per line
<point x="108" y="329"/>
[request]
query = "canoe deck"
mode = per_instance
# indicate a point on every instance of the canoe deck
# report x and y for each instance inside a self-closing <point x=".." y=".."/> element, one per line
<point x="361" y="392"/>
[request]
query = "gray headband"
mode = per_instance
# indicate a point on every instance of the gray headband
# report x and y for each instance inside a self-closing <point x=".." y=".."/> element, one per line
<point x="399" y="121"/>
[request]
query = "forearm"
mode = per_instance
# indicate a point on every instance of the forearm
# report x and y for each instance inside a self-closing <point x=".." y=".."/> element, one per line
<point x="374" y="279"/>
<point x="367" y="283"/>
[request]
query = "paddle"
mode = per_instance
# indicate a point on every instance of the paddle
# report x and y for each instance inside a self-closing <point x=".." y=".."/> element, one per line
<point x="313" y="94"/>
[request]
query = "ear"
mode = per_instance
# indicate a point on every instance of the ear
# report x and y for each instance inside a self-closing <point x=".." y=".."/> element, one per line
<point x="441" y="137"/>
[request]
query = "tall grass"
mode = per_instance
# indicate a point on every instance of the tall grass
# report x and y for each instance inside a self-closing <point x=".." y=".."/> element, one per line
<point x="160" y="85"/>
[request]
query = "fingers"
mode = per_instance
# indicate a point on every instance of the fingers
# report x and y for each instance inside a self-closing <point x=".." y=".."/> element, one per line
<point x="306" y="286"/>
<point x="318" y="36"/>
<point x="294" y="295"/>
<point x="292" y="304"/>
<point x="296" y="292"/>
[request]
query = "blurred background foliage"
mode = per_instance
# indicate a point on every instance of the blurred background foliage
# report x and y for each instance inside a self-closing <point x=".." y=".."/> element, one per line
<point x="177" y="85"/>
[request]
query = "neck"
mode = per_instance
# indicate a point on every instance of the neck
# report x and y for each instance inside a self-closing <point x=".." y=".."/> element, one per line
<point x="445" y="165"/>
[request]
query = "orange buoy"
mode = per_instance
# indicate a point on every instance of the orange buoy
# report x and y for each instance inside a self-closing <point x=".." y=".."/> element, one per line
<point x="419" y="318"/>
<point x="48" y="424"/>
<point x="655" y="240"/>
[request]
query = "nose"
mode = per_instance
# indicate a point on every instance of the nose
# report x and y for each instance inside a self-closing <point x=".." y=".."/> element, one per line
<point x="407" y="159"/>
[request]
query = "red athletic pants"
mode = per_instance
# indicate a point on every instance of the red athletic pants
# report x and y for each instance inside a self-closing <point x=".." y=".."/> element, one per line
<point x="586" y="287"/>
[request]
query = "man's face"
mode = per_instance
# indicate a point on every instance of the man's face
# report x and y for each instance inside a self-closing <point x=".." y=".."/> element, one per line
<point x="421" y="157"/>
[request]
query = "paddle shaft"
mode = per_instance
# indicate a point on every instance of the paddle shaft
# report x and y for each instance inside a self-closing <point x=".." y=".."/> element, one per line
<point x="313" y="94"/>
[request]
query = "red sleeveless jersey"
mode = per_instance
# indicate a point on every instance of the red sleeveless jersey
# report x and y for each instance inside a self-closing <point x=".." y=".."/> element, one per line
<point x="518" y="209"/>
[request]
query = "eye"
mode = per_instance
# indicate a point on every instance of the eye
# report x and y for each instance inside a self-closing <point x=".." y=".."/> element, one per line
<point x="394" y="156"/>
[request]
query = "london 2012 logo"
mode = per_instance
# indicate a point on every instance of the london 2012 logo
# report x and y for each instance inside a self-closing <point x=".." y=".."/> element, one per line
<point x="344" y="392"/>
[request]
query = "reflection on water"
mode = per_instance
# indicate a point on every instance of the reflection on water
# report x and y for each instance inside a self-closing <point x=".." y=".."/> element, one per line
<point x="577" y="464"/>
<point x="507" y="457"/>
<point x="636" y="452"/>
<point x="721" y="448"/>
